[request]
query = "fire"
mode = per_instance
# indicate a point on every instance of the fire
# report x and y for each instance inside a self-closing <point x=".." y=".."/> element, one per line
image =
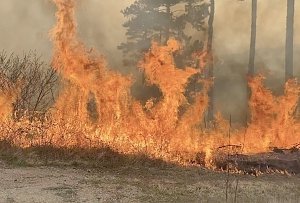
<point x="273" y="120"/>
<point x="5" y="108"/>
<point x="8" y="95"/>
<point x="123" y="123"/>
<point x="168" y="128"/>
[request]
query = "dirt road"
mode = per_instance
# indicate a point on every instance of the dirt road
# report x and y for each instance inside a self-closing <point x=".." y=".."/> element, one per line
<point x="129" y="184"/>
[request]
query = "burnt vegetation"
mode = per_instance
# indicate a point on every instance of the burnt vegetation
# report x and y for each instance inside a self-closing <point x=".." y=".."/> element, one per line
<point x="80" y="110"/>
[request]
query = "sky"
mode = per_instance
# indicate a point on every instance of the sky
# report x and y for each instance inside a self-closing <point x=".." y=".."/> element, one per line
<point x="25" y="25"/>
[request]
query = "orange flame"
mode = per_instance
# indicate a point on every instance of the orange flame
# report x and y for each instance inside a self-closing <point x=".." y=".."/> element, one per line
<point x="8" y="95"/>
<point x="169" y="128"/>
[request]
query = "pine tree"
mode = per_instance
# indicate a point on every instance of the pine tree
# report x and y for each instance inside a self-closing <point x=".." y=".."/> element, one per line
<point x="160" y="20"/>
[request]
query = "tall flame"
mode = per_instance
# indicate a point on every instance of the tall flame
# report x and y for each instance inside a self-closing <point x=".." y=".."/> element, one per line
<point x="168" y="128"/>
<point x="84" y="70"/>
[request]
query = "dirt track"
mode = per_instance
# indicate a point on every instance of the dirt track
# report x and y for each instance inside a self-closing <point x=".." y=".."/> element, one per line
<point x="57" y="184"/>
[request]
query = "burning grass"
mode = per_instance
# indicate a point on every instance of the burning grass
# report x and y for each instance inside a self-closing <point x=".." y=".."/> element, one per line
<point x="168" y="129"/>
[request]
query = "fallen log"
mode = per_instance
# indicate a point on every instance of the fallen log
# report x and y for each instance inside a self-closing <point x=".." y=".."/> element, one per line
<point x="282" y="161"/>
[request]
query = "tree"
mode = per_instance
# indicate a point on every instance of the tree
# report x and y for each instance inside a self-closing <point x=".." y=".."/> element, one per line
<point x="210" y="65"/>
<point x="251" y="69"/>
<point x="160" y="20"/>
<point x="289" y="40"/>
<point x="251" y="65"/>
<point x="147" y="20"/>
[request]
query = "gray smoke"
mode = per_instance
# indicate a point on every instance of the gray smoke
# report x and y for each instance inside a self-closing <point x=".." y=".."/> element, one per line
<point x="25" y="25"/>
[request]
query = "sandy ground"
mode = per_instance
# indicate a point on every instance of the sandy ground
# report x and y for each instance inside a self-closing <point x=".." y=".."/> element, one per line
<point x="129" y="184"/>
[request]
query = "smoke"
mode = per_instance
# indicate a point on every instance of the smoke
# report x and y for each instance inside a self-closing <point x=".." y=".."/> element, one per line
<point x="158" y="130"/>
<point x="231" y="48"/>
<point x="25" y="26"/>
<point x="101" y="26"/>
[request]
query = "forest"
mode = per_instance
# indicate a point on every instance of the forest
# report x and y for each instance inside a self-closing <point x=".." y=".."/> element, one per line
<point x="175" y="100"/>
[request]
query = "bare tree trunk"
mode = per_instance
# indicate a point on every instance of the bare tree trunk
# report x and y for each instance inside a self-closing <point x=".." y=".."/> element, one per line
<point x="169" y="14"/>
<point x="211" y="60"/>
<point x="251" y="69"/>
<point x="289" y="40"/>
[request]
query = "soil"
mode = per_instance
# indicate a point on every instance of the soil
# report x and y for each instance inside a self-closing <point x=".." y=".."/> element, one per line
<point x="141" y="184"/>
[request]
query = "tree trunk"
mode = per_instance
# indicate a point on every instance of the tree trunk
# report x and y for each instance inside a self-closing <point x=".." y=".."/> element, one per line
<point x="251" y="69"/>
<point x="289" y="40"/>
<point x="211" y="60"/>
<point x="169" y="14"/>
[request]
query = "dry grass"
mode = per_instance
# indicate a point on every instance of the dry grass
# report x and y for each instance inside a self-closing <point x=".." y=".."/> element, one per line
<point x="64" y="174"/>
<point x="78" y="157"/>
<point x="133" y="183"/>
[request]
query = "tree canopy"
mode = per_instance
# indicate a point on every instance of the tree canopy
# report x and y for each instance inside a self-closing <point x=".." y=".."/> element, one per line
<point x="160" y="20"/>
